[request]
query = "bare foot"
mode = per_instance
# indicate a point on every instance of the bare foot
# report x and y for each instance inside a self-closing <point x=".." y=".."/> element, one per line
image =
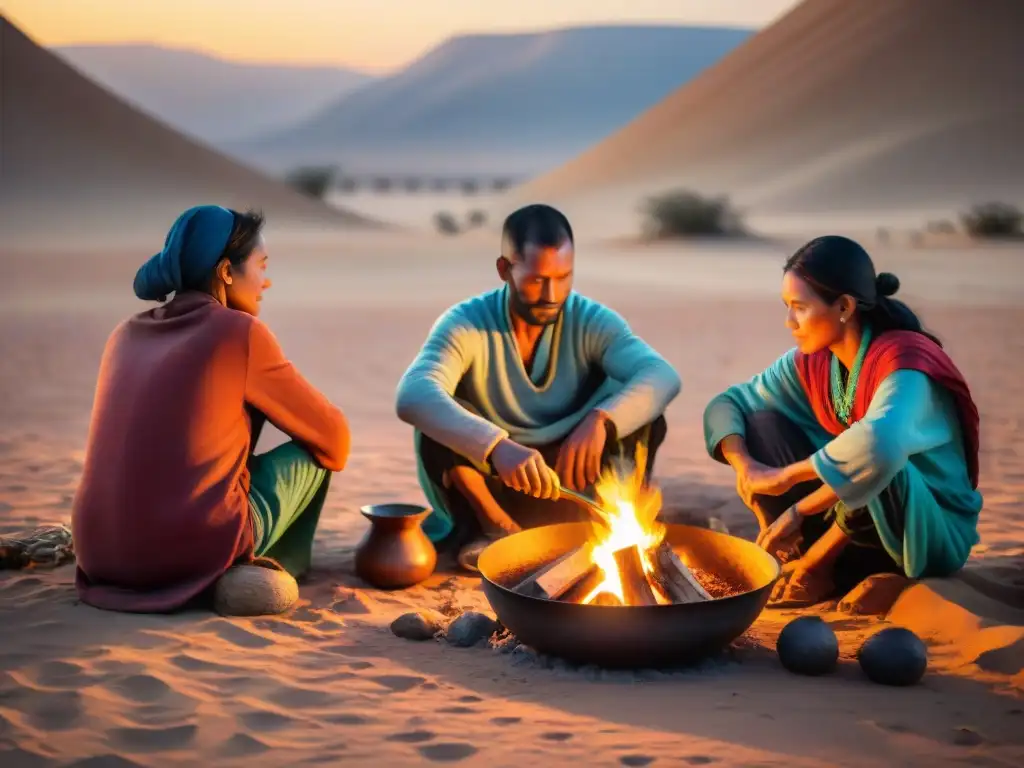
<point x="876" y="595"/>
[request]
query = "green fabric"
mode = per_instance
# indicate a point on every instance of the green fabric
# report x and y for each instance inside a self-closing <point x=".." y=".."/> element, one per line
<point x="471" y="354"/>
<point x="286" y="495"/>
<point x="910" y="436"/>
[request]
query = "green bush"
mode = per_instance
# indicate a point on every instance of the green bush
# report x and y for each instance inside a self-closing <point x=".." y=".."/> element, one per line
<point x="994" y="220"/>
<point x="682" y="213"/>
<point x="314" y="181"/>
<point x="446" y="223"/>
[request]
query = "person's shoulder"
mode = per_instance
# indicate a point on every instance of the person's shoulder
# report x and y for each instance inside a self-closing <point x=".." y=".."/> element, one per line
<point x="593" y="314"/>
<point x="478" y="310"/>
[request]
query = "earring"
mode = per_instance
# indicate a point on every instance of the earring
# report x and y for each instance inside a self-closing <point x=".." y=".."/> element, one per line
<point x="842" y="320"/>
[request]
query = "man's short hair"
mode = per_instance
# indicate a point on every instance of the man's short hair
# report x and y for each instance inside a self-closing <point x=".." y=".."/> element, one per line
<point x="536" y="224"/>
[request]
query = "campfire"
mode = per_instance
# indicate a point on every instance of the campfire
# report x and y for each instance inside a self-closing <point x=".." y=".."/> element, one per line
<point x="627" y="561"/>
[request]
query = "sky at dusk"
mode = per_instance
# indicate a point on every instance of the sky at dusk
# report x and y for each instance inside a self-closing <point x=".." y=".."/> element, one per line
<point x="373" y="35"/>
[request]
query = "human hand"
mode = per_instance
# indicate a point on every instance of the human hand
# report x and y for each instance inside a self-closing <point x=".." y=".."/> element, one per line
<point x="780" y="534"/>
<point x="525" y="470"/>
<point x="755" y="479"/>
<point x="579" y="458"/>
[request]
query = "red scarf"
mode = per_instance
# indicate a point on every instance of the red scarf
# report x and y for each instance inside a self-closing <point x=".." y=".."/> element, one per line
<point x="892" y="351"/>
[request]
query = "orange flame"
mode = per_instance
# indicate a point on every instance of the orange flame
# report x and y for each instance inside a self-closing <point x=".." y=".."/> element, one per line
<point x="630" y="509"/>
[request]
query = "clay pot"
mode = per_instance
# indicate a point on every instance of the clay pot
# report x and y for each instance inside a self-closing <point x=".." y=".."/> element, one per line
<point x="395" y="552"/>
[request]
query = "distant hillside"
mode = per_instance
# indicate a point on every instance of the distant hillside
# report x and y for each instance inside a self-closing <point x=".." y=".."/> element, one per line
<point x="80" y="165"/>
<point x="839" y="114"/>
<point x="210" y="98"/>
<point x="503" y="103"/>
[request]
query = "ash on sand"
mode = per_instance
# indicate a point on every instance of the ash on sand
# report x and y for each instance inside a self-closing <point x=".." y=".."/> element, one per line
<point x="472" y="629"/>
<point x="521" y="655"/>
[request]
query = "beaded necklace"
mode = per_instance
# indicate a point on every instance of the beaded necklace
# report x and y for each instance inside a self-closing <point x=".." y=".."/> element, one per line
<point x="843" y="396"/>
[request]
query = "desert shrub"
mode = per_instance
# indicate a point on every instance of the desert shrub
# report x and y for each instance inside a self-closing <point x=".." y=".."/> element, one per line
<point x="469" y="186"/>
<point x="382" y="184"/>
<point x="446" y="223"/>
<point x="681" y="213"/>
<point x="314" y="181"/>
<point x="476" y="218"/>
<point x="994" y="220"/>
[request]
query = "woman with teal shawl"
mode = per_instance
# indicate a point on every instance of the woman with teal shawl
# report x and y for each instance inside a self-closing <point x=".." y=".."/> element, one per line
<point x="857" y="451"/>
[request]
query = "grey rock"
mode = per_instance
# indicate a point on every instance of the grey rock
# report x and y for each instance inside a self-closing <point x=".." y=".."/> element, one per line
<point x="471" y="628"/>
<point x="420" y="625"/>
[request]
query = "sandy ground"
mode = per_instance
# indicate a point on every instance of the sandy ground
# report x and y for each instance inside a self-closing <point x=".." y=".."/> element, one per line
<point x="328" y="682"/>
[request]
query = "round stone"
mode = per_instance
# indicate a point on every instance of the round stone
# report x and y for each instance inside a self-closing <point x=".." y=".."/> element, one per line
<point x="894" y="656"/>
<point x="252" y="590"/>
<point x="808" y="646"/>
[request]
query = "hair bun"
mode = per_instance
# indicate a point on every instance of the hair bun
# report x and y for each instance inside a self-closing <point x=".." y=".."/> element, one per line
<point x="887" y="284"/>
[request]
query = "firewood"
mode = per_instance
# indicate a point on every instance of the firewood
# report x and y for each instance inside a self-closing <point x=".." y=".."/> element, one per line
<point x="582" y="589"/>
<point x="605" y="598"/>
<point x="675" y="578"/>
<point x="555" y="579"/>
<point x="635" y="588"/>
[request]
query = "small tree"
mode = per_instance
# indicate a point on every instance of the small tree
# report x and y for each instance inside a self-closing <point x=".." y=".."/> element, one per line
<point x="446" y="223"/>
<point x="681" y="213"/>
<point x="994" y="220"/>
<point x="314" y="181"/>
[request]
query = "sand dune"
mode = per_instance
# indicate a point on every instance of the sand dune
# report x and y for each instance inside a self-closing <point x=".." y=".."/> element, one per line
<point x="499" y="103"/>
<point x="78" y="162"/>
<point x="847" y="109"/>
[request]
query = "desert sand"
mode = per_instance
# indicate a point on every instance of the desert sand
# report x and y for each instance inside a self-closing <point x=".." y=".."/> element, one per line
<point x="327" y="682"/>
<point x="90" y="188"/>
<point x="839" y="114"/>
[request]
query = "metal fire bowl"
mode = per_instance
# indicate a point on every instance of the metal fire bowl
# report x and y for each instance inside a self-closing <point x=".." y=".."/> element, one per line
<point x="627" y="636"/>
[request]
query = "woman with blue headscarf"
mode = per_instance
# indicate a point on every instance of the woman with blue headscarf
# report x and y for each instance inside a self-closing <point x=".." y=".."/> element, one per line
<point x="172" y="494"/>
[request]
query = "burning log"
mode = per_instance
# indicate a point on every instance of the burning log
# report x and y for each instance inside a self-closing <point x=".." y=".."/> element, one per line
<point x="636" y="590"/>
<point x="605" y="598"/>
<point x="555" y="579"/>
<point x="674" y="578"/>
<point x="582" y="589"/>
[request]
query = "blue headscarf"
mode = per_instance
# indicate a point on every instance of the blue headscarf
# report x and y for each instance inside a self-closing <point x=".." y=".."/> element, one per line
<point x="192" y="249"/>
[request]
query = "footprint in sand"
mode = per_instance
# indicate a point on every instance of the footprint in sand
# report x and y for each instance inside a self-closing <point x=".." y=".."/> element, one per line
<point x="153" y="739"/>
<point x="506" y="720"/>
<point x="62" y="674"/>
<point x="636" y="760"/>
<point x="456" y="711"/>
<point x="347" y="718"/>
<point x="557" y="736"/>
<point x="159" y="715"/>
<point x="470" y="699"/>
<point x="141" y="688"/>
<point x="299" y="698"/>
<point x="239" y="636"/>
<point x="265" y="720"/>
<point x="191" y="663"/>
<point x="53" y="710"/>
<point x="282" y="628"/>
<point x="101" y="761"/>
<point x="398" y="683"/>
<point x="356" y="665"/>
<point x="411" y="737"/>
<point x="449" y="752"/>
<point x="699" y="760"/>
<point x="242" y="745"/>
